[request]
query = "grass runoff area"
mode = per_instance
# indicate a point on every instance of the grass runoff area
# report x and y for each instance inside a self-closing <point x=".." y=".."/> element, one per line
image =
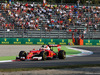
<point x="68" y="52"/>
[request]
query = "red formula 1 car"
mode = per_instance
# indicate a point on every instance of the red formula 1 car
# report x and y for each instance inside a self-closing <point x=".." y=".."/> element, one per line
<point x="45" y="52"/>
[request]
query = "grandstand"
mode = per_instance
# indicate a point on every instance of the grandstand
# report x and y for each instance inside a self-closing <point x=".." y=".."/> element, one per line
<point x="51" y="21"/>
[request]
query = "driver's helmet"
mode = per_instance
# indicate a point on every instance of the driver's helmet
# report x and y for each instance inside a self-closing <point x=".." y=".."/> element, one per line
<point x="43" y="46"/>
<point x="46" y="47"/>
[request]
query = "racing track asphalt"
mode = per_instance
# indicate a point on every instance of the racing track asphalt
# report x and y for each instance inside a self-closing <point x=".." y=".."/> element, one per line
<point x="91" y="59"/>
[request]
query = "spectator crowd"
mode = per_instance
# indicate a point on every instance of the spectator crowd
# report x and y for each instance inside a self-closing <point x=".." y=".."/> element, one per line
<point x="4" y="24"/>
<point x="50" y="17"/>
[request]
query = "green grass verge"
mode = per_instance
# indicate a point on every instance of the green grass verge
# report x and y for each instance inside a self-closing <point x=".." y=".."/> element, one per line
<point x="68" y="52"/>
<point x="7" y="58"/>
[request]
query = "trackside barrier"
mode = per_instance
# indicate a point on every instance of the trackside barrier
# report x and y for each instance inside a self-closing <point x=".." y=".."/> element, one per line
<point x="88" y="42"/>
<point x="30" y="41"/>
<point x="91" y="42"/>
<point x="40" y="41"/>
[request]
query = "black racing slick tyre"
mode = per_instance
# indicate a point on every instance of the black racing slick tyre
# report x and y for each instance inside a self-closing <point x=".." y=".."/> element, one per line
<point x="61" y="54"/>
<point x="44" y="55"/>
<point x="22" y="54"/>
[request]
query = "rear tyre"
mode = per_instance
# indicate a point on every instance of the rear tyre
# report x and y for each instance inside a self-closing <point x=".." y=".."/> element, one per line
<point x="62" y="54"/>
<point x="22" y="54"/>
<point x="44" y="55"/>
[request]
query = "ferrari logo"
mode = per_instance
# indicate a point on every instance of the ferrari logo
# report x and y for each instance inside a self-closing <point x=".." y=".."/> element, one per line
<point x="62" y="40"/>
<point x="5" y="39"/>
<point x="89" y="41"/>
<point x="51" y="54"/>
<point x="16" y="39"/>
<point x="29" y="40"/>
<point x="51" y="40"/>
<point x="31" y="53"/>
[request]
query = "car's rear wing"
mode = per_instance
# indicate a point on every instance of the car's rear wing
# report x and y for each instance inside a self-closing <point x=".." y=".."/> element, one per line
<point x="58" y="46"/>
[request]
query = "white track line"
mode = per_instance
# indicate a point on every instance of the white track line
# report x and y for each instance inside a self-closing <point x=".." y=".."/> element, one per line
<point x="83" y="52"/>
<point x="6" y="61"/>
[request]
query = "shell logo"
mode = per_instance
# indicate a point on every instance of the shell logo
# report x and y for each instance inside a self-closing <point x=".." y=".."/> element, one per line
<point x="31" y="53"/>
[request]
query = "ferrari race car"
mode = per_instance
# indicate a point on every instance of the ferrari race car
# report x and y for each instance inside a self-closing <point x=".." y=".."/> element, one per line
<point x="43" y="53"/>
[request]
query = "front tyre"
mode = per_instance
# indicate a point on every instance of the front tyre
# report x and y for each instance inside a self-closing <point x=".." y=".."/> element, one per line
<point x="44" y="55"/>
<point x="22" y="55"/>
<point x="61" y="54"/>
